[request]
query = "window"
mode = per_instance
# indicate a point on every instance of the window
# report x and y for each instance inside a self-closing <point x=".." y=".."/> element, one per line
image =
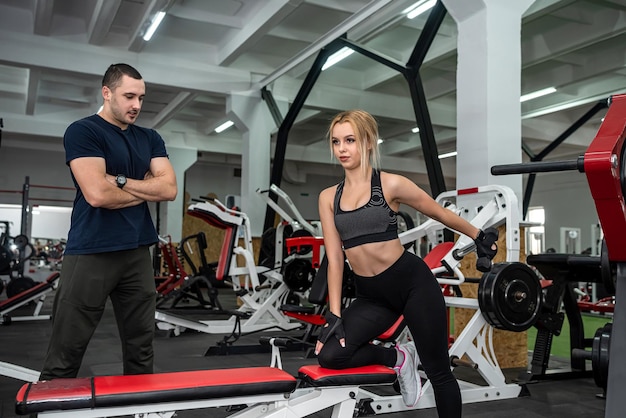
<point x="535" y="235"/>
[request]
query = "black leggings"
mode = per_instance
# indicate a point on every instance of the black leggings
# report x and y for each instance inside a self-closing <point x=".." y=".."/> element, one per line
<point x="407" y="288"/>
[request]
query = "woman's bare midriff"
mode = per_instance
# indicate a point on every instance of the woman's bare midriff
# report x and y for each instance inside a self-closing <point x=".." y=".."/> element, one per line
<point x="371" y="259"/>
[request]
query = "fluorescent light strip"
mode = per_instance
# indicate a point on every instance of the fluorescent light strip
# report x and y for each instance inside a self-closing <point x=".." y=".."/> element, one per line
<point x="153" y="26"/>
<point x="337" y="56"/>
<point x="224" y="126"/>
<point x="538" y="93"/>
<point x="447" y="155"/>
<point x="419" y="8"/>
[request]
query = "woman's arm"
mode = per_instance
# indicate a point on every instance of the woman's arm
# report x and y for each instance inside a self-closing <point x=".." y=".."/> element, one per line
<point x="403" y="190"/>
<point x="333" y="250"/>
<point x="334" y="254"/>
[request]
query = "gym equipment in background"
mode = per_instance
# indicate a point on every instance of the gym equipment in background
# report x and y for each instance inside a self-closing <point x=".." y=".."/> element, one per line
<point x="262" y="289"/>
<point x="33" y="294"/>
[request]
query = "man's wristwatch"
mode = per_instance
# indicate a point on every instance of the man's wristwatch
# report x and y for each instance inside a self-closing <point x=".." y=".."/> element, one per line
<point x="120" y="180"/>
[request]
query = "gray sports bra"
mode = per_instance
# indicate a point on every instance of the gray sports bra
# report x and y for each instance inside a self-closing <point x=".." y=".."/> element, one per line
<point x="373" y="222"/>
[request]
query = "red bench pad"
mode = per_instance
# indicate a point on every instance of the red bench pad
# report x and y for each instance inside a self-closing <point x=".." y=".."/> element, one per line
<point x="314" y="375"/>
<point x="434" y="256"/>
<point x="109" y="391"/>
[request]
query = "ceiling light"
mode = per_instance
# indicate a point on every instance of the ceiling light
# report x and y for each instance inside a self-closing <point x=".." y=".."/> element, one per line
<point x="447" y="155"/>
<point x="415" y="130"/>
<point x="224" y="126"/>
<point x="337" y="56"/>
<point x="153" y="26"/>
<point x="419" y="8"/>
<point x="380" y="141"/>
<point x="536" y="94"/>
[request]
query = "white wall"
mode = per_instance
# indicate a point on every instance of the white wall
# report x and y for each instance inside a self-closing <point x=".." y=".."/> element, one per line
<point x="50" y="222"/>
<point x="567" y="202"/>
<point x="13" y="215"/>
<point x="43" y="167"/>
<point x="202" y="179"/>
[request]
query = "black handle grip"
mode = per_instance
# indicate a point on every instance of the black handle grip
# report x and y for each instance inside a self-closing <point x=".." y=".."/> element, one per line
<point x="539" y="167"/>
<point x="277" y="341"/>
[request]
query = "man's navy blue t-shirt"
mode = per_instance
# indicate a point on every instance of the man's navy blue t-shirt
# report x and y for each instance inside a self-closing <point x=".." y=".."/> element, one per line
<point x="128" y="152"/>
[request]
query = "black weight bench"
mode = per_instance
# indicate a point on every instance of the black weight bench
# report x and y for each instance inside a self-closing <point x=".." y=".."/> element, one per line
<point x="36" y="293"/>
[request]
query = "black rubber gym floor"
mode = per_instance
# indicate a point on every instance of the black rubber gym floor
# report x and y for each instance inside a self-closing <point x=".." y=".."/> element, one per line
<point x="24" y="344"/>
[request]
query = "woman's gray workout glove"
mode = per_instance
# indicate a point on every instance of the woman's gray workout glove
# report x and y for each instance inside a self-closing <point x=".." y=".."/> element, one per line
<point x="484" y="242"/>
<point x="334" y="326"/>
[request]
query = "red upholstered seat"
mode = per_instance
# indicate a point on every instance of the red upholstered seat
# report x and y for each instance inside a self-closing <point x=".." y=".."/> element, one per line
<point x="108" y="391"/>
<point x="314" y="375"/>
<point x="434" y="256"/>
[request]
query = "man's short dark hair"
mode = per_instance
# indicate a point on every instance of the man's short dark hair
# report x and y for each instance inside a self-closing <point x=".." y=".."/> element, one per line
<point x="114" y="74"/>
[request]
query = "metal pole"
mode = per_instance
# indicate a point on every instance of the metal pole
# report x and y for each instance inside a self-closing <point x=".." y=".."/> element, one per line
<point x="25" y="208"/>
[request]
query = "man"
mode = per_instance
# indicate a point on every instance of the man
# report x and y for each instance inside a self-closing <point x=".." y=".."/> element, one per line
<point x="117" y="168"/>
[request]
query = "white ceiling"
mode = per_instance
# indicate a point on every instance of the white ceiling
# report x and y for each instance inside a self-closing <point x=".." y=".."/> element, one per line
<point x="53" y="54"/>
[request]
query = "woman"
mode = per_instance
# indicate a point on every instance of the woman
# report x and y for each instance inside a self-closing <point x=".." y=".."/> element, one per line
<point x="359" y="219"/>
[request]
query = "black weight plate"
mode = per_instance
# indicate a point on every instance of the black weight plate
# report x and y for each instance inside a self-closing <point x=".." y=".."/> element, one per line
<point x="607" y="270"/>
<point x="18" y="285"/>
<point x="21" y="241"/>
<point x="509" y="296"/>
<point x="299" y="275"/>
<point x="600" y="355"/>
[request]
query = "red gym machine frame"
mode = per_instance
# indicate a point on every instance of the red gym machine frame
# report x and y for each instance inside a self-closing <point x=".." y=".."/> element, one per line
<point x="604" y="170"/>
<point x="603" y="165"/>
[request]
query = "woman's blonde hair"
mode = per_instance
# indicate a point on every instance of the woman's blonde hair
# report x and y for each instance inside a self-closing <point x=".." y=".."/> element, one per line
<point x="366" y="134"/>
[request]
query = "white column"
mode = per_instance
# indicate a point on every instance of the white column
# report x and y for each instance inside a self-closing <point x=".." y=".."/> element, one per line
<point x="251" y="116"/>
<point x="172" y="212"/>
<point x="488" y="89"/>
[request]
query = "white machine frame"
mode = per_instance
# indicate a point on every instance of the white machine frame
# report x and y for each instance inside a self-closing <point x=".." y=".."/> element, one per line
<point x="484" y="207"/>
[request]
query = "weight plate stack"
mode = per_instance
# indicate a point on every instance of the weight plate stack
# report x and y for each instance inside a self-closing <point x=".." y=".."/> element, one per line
<point x="600" y="355"/>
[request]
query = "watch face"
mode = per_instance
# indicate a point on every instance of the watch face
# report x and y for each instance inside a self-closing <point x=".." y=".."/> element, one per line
<point x="121" y="180"/>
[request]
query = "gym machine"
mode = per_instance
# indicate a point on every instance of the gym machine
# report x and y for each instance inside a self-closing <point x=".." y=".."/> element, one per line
<point x="260" y="301"/>
<point x="605" y="168"/>
<point x="262" y="289"/>
<point x="563" y="272"/>
<point x="32" y="295"/>
<point x="15" y="252"/>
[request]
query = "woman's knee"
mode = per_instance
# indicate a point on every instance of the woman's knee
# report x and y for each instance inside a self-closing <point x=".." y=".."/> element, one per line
<point x="334" y="357"/>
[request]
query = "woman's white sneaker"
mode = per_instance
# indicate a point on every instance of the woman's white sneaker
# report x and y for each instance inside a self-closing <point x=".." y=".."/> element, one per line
<point x="408" y="377"/>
